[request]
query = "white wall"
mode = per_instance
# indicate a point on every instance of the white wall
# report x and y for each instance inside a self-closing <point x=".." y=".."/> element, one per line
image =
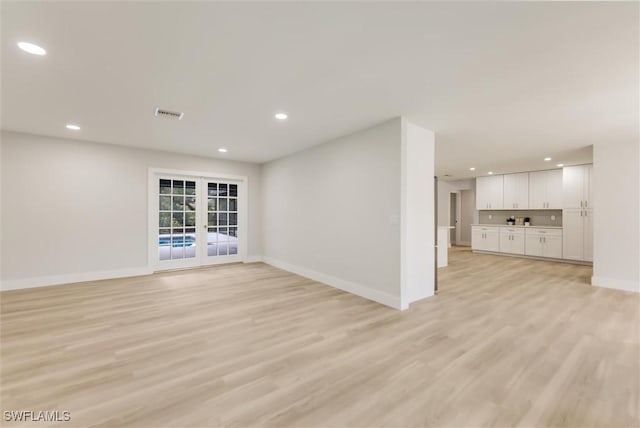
<point x="468" y="213"/>
<point x="75" y="210"/>
<point x="332" y="212"/>
<point x="417" y="214"/>
<point x="616" y="227"/>
<point x="444" y="187"/>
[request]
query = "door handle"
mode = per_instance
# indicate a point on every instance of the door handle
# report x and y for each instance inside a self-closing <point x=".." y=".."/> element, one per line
<point x="586" y="204"/>
<point x="581" y="204"/>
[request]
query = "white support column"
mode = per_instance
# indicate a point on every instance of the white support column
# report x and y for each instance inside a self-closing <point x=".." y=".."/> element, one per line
<point x="616" y="222"/>
<point x="417" y="235"/>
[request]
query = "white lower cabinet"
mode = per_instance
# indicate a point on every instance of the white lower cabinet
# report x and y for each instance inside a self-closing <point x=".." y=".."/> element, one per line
<point x="511" y="240"/>
<point x="485" y="238"/>
<point x="578" y="234"/>
<point x="544" y="243"/>
<point x="530" y="241"/>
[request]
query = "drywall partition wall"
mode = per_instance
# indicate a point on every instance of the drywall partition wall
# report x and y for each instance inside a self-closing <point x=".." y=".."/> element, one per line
<point x="75" y="210"/>
<point x="467" y="215"/>
<point x="444" y="187"/>
<point x="616" y="222"/>
<point x="332" y="213"/>
<point x="417" y="214"/>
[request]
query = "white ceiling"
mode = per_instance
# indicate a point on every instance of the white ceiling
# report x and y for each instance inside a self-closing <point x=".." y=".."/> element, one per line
<point x="501" y="84"/>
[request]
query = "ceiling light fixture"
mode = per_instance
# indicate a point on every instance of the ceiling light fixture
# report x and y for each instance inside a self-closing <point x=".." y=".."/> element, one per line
<point x="560" y="165"/>
<point x="222" y="150"/>
<point x="31" y="48"/>
<point x="473" y="168"/>
<point x="547" y="159"/>
<point x="490" y="172"/>
<point x="73" y="127"/>
<point x="281" y="116"/>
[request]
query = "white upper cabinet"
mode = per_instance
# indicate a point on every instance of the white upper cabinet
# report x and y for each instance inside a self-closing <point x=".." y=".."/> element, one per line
<point x="554" y="189"/>
<point x="576" y="185"/>
<point x="545" y="189"/>
<point x="489" y="192"/>
<point x="516" y="191"/>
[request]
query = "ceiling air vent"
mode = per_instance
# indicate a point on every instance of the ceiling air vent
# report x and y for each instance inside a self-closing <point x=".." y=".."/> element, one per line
<point x="168" y="114"/>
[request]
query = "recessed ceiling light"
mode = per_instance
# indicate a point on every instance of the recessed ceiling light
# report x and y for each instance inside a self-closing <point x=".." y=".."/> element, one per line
<point x="31" y="48"/>
<point x="281" y="116"/>
<point x="473" y="168"/>
<point x="490" y="172"/>
<point x="221" y="150"/>
<point x="547" y="159"/>
<point x="73" y="127"/>
<point x="560" y="165"/>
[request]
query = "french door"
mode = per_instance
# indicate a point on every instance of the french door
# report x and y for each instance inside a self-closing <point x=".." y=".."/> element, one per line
<point x="195" y="221"/>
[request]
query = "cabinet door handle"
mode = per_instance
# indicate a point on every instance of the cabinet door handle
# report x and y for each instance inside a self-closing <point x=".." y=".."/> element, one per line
<point x="586" y="204"/>
<point x="581" y="204"/>
<point x="580" y="213"/>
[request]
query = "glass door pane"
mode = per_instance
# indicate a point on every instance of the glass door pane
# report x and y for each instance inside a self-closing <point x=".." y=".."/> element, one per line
<point x="176" y="219"/>
<point x="222" y="219"/>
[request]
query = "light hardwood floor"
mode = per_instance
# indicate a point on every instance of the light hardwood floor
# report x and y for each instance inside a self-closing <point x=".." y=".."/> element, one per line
<point x="506" y="342"/>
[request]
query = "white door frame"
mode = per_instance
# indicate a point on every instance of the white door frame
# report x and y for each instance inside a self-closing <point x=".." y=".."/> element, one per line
<point x="152" y="216"/>
<point x="457" y="214"/>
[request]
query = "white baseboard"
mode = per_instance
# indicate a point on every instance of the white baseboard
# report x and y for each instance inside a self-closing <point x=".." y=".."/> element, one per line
<point x="342" y="284"/>
<point x="45" y="281"/>
<point x="617" y="284"/>
<point x="253" y="259"/>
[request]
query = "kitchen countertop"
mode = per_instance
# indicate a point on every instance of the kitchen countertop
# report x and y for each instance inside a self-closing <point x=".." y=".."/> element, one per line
<point x="525" y="227"/>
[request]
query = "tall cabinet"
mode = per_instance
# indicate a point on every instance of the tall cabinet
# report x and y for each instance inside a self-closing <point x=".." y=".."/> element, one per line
<point x="577" y="213"/>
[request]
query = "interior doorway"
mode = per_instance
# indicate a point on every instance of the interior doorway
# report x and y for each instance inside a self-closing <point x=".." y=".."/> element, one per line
<point x="454" y="217"/>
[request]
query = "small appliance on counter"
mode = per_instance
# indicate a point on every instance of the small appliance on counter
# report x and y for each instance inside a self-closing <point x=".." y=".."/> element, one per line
<point x="511" y="221"/>
<point x="527" y="221"/>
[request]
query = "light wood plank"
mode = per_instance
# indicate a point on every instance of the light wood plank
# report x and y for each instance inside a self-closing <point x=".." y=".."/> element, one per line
<point x="506" y="342"/>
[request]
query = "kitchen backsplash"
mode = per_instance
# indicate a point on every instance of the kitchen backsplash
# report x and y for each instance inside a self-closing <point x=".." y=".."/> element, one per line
<point x="538" y="217"/>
